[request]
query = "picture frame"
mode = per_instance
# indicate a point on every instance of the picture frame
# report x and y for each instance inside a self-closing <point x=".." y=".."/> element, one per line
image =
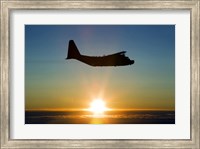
<point x="8" y="6"/>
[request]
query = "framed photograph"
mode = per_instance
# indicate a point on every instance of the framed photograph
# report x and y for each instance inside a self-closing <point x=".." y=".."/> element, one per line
<point x="100" y="74"/>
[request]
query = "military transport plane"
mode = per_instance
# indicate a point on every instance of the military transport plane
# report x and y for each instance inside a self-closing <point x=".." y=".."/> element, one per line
<point x="117" y="59"/>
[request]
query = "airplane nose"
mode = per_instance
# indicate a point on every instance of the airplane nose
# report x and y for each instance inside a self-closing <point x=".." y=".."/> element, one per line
<point x="132" y="61"/>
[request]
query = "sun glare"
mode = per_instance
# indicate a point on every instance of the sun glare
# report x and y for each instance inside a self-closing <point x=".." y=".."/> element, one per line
<point x="97" y="106"/>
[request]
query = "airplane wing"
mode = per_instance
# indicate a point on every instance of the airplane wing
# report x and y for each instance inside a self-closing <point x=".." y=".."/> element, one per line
<point x="119" y="53"/>
<point x="122" y="52"/>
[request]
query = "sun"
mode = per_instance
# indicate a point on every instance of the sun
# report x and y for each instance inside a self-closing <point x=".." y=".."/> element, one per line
<point x="98" y="106"/>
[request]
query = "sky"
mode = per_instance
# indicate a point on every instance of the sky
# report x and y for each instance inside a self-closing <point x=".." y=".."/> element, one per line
<point x="51" y="82"/>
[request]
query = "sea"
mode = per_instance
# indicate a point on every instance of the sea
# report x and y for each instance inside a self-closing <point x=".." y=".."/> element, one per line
<point x="108" y="117"/>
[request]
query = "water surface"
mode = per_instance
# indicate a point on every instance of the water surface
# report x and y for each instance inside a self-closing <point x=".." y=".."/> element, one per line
<point x="109" y="117"/>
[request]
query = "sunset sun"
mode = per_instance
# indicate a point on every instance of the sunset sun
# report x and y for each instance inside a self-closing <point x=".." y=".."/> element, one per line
<point x="98" y="106"/>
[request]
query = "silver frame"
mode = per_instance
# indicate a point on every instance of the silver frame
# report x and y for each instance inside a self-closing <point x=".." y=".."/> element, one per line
<point x="6" y="6"/>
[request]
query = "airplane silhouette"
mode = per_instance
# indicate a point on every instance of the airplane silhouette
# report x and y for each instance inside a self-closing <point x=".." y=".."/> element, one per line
<point x="117" y="59"/>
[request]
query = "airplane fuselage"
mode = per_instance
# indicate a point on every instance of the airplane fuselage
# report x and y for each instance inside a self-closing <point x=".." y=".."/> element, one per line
<point x="105" y="60"/>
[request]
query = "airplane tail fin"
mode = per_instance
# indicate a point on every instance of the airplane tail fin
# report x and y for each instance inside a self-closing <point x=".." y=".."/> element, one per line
<point x="72" y="50"/>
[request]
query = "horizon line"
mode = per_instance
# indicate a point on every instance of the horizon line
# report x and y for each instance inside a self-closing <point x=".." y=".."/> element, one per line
<point x="110" y="109"/>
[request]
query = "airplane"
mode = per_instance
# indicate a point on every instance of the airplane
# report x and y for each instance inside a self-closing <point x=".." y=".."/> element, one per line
<point x="116" y="59"/>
